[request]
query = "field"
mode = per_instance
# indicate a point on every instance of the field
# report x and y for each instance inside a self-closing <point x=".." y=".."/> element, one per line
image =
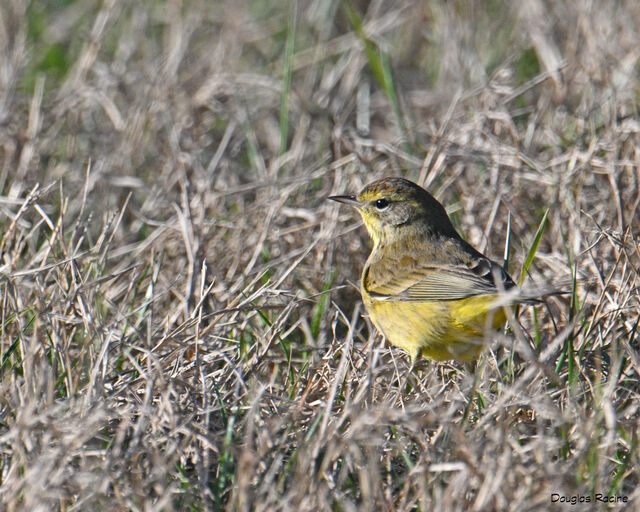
<point x="181" y="325"/>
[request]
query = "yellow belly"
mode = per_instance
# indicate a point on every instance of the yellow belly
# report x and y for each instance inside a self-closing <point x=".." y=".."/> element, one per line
<point x="437" y="330"/>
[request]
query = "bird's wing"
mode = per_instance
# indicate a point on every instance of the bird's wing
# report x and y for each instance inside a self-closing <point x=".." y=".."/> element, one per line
<point x="424" y="283"/>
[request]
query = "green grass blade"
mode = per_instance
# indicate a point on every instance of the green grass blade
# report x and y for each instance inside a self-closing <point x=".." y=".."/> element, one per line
<point x="507" y="245"/>
<point x="286" y="78"/>
<point x="625" y="460"/>
<point x="534" y="248"/>
<point x="381" y="68"/>
<point x="321" y="305"/>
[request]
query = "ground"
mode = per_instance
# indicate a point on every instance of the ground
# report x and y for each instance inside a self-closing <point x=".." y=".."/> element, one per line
<point x="181" y="323"/>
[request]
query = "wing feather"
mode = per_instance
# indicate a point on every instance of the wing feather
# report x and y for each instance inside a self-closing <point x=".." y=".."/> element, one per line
<point x="443" y="282"/>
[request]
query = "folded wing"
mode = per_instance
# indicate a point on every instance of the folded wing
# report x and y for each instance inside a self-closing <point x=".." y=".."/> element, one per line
<point x="480" y="276"/>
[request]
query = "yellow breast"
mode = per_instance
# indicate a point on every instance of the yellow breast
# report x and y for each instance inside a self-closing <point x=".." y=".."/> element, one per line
<point x="437" y="330"/>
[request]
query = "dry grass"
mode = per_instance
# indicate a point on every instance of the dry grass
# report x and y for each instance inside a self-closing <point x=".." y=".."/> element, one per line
<point x="179" y="325"/>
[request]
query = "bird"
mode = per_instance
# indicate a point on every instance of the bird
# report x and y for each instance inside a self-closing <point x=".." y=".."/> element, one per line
<point x="428" y="291"/>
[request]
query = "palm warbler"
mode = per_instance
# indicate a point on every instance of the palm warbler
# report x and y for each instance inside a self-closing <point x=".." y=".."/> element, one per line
<point x="426" y="289"/>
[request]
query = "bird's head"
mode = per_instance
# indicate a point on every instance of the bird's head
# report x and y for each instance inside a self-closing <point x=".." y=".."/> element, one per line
<point x="392" y="206"/>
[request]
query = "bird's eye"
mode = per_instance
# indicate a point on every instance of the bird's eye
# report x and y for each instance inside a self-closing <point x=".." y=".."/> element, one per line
<point x="382" y="204"/>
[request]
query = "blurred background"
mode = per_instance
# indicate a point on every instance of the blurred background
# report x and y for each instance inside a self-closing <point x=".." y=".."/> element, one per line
<point x="181" y="321"/>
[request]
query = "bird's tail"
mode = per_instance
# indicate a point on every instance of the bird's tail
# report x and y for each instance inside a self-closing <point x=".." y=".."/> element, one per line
<point x="531" y="294"/>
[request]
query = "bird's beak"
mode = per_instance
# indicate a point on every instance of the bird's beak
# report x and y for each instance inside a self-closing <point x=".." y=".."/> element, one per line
<point x="350" y="200"/>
